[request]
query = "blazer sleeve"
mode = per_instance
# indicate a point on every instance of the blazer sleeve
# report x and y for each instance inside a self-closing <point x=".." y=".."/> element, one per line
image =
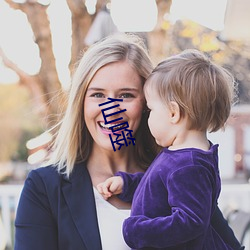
<point x="221" y="226"/>
<point x="35" y="225"/>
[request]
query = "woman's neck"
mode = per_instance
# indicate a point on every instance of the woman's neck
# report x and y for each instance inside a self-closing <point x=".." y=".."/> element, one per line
<point x="103" y="164"/>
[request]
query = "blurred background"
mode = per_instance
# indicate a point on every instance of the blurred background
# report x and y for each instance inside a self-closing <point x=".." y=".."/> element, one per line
<point x="42" y="40"/>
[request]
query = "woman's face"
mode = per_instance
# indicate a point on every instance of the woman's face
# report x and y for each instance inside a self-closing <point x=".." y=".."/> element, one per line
<point x="116" y="80"/>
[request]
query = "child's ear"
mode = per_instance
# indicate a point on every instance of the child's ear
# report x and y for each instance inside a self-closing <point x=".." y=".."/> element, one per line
<point x="175" y="112"/>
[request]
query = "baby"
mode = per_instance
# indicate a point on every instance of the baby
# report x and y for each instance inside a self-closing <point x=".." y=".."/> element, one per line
<point x="188" y="96"/>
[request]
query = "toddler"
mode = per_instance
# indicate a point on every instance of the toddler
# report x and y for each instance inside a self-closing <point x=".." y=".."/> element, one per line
<point x="188" y="96"/>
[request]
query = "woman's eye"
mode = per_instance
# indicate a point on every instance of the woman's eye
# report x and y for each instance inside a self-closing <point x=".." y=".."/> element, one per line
<point x="127" y="95"/>
<point x="97" y="95"/>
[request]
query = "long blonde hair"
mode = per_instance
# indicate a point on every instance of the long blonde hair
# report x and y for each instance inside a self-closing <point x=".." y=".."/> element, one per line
<point x="73" y="142"/>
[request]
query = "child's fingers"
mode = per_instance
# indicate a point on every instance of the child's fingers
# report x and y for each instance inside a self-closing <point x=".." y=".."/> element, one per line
<point x="99" y="188"/>
<point x="106" y="197"/>
<point x="116" y="185"/>
<point x="103" y="190"/>
<point x="113" y="187"/>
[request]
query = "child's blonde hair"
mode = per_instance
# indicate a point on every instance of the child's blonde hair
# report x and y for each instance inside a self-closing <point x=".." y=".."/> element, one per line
<point x="203" y="90"/>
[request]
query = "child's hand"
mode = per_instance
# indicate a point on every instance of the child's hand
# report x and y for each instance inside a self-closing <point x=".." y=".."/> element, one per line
<point x="111" y="186"/>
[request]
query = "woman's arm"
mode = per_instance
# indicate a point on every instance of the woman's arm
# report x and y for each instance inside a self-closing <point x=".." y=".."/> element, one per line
<point x="35" y="225"/>
<point x="221" y="226"/>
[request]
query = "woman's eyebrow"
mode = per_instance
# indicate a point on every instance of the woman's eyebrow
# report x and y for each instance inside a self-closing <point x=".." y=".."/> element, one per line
<point x="122" y="89"/>
<point x="129" y="89"/>
<point x="95" y="89"/>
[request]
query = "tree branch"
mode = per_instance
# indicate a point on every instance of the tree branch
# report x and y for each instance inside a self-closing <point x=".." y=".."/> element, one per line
<point x="9" y="64"/>
<point x="31" y="82"/>
<point x="13" y="5"/>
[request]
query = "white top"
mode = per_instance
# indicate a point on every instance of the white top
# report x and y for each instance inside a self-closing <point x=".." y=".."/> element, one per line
<point x="110" y="220"/>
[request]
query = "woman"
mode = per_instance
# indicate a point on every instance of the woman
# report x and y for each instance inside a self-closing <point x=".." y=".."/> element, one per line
<point x="59" y="207"/>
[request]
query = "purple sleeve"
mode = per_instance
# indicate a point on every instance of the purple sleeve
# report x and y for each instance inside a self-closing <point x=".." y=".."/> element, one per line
<point x="131" y="182"/>
<point x="190" y="195"/>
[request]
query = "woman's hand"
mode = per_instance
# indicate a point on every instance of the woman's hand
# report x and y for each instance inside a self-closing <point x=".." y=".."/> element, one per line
<point x="111" y="186"/>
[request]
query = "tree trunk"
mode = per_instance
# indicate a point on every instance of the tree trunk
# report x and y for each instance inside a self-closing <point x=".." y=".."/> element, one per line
<point x="46" y="81"/>
<point x="81" y="22"/>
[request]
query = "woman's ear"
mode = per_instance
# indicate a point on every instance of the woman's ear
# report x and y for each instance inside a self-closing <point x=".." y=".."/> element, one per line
<point x="174" y="112"/>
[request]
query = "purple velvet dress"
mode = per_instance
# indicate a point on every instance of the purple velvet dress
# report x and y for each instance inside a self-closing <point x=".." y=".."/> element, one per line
<point x="174" y="202"/>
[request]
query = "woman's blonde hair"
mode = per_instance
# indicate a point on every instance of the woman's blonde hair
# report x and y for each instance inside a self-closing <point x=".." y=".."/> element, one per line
<point x="73" y="142"/>
<point x="203" y="90"/>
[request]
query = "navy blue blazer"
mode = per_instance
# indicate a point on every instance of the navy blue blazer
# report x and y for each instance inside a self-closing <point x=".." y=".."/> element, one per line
<point x="57" y="213"/>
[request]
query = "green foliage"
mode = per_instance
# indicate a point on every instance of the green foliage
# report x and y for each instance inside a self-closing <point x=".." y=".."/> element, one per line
<point x="233" y="55"/>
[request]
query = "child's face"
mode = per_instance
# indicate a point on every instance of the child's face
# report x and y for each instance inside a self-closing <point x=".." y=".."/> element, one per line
<point x="159" y="120"/>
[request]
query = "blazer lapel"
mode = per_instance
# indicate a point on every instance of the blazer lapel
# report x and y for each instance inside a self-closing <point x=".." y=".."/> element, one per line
<point x="79" y="195"/>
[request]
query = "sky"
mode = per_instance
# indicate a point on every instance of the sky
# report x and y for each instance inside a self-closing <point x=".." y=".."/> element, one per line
<point x="207" y="13"/>
<point x="16" y="40"/>
<point x="16" y="45"/>
<point x="16" y="37"/>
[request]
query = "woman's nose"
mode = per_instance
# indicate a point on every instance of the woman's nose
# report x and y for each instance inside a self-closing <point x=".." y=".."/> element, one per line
<point x="111" y="110"/>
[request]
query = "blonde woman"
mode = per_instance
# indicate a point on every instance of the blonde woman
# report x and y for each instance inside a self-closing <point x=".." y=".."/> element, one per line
<point x="60" y="207"/>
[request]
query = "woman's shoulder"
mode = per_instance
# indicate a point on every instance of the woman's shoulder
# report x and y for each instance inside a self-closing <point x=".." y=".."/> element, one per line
<point x="45" y="172"/>
<point x="49" y="175"/>
<point x="44" y="178"/>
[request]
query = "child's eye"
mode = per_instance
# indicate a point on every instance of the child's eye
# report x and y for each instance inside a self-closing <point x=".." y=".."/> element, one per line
<point x="97" y="95"/>
<point x="127" y="95"/>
